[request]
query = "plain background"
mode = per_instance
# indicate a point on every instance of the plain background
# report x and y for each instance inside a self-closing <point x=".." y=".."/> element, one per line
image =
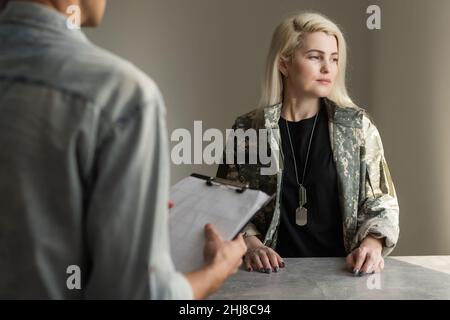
<point x="207" y="57"/>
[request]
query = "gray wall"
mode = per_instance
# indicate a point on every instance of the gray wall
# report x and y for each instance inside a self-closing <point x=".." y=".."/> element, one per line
<point x="207" y="57"/>
<point x="410" y="97"/>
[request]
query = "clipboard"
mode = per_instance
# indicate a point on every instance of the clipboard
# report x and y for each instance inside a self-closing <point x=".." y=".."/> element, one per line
<point x="239" y="187"/>
<point x="199" y="199"/>
<point x="210" y="181"/>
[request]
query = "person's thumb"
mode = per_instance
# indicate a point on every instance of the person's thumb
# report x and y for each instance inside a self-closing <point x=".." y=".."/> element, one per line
<point x="240" y="241"/>
<point x="211" y="233"/>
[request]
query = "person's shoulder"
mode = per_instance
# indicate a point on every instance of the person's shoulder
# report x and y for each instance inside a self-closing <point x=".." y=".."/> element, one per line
<point x="114" y="87"/>
<point x="350" y="115"/>
<point x="252" y="119"/>
<point x="361" y="118"/>
<point x="110" y="76"/>
<point x="365" y="117"/>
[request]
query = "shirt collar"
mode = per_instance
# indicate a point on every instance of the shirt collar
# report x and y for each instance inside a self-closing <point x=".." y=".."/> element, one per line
<point x="38" y="16"/>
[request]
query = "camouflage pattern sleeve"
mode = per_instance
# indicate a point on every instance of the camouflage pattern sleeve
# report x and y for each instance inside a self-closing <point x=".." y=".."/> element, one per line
<point x="229" y="171"/>
<point x="378" y="210"/>
<point x="233" y="172"/>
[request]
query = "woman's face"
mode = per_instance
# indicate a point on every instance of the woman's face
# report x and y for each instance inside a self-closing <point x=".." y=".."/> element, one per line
<point x="313" y="68"/>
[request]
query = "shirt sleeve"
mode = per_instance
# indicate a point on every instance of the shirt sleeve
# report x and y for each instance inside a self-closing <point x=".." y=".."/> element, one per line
<point x="378" y="213"/>
<point x="127" y="214"/>
<point x="232" y="172"/>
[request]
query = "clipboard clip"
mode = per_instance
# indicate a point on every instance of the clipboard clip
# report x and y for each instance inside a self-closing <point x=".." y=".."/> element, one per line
<point x="237" y="186"/>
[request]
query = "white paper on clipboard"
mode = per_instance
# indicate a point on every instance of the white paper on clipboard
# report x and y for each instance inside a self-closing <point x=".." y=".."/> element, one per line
<point x="196" y="204"/>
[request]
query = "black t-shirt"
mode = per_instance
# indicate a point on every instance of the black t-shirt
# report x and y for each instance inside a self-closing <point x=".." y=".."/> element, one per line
<point x="322" y="236"/>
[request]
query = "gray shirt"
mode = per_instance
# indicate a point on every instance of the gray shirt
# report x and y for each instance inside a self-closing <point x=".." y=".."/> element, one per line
<point x="84" y="168"/>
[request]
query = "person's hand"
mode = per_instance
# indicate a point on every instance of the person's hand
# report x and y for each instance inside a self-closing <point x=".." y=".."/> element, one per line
<point x="224" y="256"/>
<point x="222" y="259"/>
<point x="367" y="258"/>
<point x="260" y="257"/>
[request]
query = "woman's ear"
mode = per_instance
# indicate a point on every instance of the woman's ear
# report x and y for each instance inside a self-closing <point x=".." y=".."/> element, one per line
<point x="283" y="66"/>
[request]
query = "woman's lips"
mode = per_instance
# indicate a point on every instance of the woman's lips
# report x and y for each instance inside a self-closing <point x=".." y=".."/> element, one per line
<point x="324" y="82"/>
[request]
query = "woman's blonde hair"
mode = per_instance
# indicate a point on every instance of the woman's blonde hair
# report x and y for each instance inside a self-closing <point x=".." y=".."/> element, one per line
<point x="286" y="39"/>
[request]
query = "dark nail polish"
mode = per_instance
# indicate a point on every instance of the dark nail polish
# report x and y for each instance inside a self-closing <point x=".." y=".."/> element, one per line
<point x="249" y="269"/>
<point x="356" y="272"/>
<point x="276" y="269"/>
<point x="268" y="270"/>
<point x="261" y="270"/>
<point x="283" y="264"/>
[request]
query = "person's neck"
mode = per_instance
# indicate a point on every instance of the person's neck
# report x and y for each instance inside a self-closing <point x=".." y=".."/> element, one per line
<point x="60" y="6"/>
<point x="296" y="107"/>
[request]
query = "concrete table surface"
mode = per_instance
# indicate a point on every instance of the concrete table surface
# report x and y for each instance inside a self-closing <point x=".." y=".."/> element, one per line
<point x="415" y="277"/>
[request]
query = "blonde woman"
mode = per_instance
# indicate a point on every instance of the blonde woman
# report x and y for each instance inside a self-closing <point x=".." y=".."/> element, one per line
<point x="334" y="192"/>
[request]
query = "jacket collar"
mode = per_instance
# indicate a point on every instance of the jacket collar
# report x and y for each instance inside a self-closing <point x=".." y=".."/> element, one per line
<point x="346" y="116"/>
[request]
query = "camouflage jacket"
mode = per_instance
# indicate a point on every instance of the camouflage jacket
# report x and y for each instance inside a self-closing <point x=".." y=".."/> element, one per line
<point x="367" y="196"/>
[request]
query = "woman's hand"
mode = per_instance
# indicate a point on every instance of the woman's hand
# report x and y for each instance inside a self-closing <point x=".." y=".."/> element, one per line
<point x="261" y="258"/>
<point x="367" y="258"/>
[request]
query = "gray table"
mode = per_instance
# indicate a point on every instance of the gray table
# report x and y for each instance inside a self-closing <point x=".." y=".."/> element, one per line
<point x="421" y="277"/>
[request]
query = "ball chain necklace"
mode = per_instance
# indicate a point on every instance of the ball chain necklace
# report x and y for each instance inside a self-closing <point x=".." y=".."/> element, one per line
<point x="301" y="214"/>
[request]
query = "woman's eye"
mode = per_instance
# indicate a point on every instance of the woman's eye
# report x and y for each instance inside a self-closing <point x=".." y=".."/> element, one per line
<point x="314" y="57"/>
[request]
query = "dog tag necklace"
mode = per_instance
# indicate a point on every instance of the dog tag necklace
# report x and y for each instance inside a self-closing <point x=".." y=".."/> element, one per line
<point x="301" y="214"/>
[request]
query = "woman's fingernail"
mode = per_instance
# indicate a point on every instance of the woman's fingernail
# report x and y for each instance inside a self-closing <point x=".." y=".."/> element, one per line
<point x="262" y="270"/>
<point x="268" y="270"/>
<point x="249" y="269"/>
<point x="283" y="264"/>
<point x="276" y="269"/>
